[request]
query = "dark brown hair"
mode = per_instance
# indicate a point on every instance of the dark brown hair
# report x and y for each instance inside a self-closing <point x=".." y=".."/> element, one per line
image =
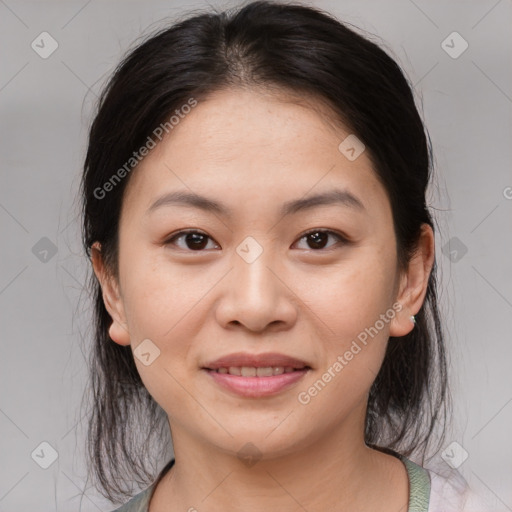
<point x="298" y="49"/>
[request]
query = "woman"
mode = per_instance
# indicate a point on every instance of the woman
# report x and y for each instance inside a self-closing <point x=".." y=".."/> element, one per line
<point x="264" y="272"/>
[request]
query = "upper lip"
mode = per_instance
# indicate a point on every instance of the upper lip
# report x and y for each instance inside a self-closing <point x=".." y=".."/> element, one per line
<point x="241" y="359"/>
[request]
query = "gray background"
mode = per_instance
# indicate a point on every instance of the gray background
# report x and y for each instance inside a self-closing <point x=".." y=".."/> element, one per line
<point x="45" y="112"/>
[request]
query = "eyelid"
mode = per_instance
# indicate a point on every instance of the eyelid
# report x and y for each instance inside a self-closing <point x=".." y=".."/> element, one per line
<point x="337" y="234"/>
<point x="343" y="239"/>
<point x="178" y="234"/>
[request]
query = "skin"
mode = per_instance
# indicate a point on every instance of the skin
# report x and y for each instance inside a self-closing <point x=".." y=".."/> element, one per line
<point x="253" y="151"/>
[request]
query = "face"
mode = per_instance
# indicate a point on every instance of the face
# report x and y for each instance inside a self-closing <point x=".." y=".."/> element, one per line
<point x="270" y="270"/>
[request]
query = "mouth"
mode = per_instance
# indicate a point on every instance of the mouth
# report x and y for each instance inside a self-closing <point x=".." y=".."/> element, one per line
<point x="253" y="371"/>
<point x="256" y="376"/>
<point x="247" y="362"/>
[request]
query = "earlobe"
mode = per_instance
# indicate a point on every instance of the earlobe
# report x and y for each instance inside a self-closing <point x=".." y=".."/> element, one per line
<point x="119" y="333"/>
<point x="402" y="324"/>
<point x="118" y="330"/>
<point x="414" y="283"/>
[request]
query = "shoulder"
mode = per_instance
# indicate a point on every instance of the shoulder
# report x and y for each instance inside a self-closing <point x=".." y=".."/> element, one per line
<point x="449" y="492"/>
<point x="437" y="487"/>
<point x="139" y="502"/>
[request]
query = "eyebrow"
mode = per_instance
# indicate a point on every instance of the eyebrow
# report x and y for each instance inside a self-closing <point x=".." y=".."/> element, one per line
<point x="191" y="199"/>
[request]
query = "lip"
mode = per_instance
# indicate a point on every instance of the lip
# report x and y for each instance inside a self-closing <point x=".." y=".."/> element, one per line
<point x="240" y="359"/>
<point x="256" y="387"/>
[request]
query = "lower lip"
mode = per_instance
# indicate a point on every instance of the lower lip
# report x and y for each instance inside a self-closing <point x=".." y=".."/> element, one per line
<point x="256" y="387"/>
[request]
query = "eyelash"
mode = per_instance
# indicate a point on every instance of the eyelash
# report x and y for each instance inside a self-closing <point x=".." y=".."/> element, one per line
<point x="180" y="234"/>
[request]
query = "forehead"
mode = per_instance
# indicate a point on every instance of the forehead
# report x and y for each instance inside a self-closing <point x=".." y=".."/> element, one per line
<point x="239" y="144"/>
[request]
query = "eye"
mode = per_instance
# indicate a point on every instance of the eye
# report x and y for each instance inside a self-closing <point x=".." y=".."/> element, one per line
<point x="197" y="241"/>
<point x="193" y="239"/>
<point x="317" y="238"/>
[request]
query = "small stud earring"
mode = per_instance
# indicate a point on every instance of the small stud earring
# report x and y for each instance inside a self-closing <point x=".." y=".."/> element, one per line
<point x="413" y="319"/>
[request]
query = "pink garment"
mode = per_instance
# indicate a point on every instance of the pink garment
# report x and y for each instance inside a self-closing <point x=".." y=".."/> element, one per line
<point x="451" y="493"/>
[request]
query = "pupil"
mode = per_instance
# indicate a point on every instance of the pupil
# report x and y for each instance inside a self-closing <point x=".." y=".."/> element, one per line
<point x="198" y="240"/>
<point x="316" y="239"/>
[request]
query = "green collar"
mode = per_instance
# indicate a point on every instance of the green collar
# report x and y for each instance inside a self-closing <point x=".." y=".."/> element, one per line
<point x="419" y="486"/>
<point x="419" y="489"/>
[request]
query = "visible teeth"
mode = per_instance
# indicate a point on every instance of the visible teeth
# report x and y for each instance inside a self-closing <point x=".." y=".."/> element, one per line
<point x="249" y="371"/>
<point x="265" y="372"/>
<point x="246" y="371"/>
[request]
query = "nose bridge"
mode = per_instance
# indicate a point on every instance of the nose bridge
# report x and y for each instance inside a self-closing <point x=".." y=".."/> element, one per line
<point x="256" y="296"/>
<point x="252" y="261"/>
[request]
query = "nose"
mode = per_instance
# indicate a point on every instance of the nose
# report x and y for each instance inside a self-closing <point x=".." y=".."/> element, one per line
<point x="257" y="293"/>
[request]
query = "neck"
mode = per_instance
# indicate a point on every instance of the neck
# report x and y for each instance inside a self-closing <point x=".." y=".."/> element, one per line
<point x="336" y="472"/>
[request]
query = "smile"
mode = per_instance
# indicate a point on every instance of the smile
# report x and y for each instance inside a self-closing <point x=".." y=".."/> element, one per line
<point x="258" y="382"/>
<point x="250" y="371"/>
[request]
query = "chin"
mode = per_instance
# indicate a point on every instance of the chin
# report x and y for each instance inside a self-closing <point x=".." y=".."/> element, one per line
<point x="262" y="444"/>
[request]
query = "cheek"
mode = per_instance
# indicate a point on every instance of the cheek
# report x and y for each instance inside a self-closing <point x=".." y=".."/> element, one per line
<point x="159" y="311"/>
<point x="163" y="305"/>
<point x="156" y="295"/>
<point x="352" y="296"/>
<point x="352" y="335"/>
<point x="349" y="300"/>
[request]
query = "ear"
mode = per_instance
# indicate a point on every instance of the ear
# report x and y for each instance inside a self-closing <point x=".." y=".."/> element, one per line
<point x="118" y="330"/>
<point x="413" y="283"/>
